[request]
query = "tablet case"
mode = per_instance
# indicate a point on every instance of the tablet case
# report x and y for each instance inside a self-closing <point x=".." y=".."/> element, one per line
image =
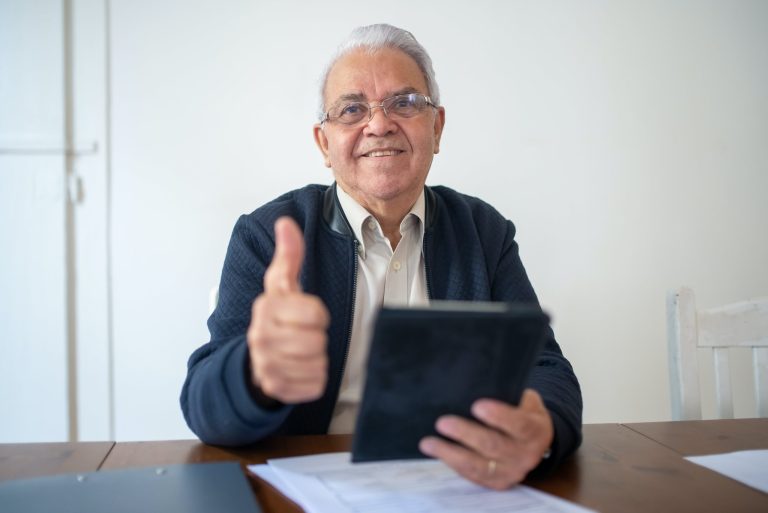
<point x="191" y="488"/>
<point x="428" y="362"/>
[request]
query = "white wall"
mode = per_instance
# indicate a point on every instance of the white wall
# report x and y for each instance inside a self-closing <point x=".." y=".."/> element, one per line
<point x="627" y="140"/>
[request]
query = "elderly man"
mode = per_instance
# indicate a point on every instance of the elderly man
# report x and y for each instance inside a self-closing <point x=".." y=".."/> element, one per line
<point x="305" y="274"/>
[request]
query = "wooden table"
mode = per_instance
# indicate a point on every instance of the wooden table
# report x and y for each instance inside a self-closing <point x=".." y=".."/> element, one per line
<point x="18" y="461"/>
<point x="695" y="437"/>
<point x="627" y="468"/>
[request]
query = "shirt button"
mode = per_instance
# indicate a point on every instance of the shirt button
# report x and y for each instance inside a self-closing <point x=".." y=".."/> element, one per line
<point x="396" y="265"/>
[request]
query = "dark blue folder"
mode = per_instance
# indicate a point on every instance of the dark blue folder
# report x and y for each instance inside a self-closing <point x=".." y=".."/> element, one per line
<point x="192" y="488"/>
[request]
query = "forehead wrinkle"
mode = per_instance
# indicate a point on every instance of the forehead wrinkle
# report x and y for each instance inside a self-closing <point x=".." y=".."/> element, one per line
<point x="358" y="70"/>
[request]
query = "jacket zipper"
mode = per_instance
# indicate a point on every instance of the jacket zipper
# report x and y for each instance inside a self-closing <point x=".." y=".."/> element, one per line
<point x="351" y="315"/>
<point x="426" y="267"/>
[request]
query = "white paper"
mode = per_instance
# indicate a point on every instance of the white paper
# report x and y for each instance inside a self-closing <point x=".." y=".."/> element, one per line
<point x="269" y="475"/>
<point x="748" y="467"/>
<point x="330" y="483"/>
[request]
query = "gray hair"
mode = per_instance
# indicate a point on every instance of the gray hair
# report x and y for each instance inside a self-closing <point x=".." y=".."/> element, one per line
<point x="376" y="37"/>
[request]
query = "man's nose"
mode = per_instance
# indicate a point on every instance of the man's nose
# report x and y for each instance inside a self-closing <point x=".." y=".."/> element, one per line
<point x="379" y="123"/>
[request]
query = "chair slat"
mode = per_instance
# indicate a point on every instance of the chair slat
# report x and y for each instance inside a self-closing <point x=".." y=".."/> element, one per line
<point x="723" y="389"/>
<point x="760" y="365"/>
<point x="742" y="324"/>
<point x="684" y="371"/>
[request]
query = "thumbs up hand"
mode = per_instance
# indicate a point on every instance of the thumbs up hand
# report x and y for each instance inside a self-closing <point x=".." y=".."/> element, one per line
<point x="287" y="336"/>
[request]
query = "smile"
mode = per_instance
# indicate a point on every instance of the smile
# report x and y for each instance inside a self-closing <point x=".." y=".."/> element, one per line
<point x="382" y="153"/>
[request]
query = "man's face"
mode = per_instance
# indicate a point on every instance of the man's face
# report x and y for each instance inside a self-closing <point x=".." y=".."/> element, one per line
<point x="382" y="162"/>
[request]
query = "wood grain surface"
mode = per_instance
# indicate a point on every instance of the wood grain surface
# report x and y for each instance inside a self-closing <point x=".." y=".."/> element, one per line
<point x="19" y="461"/>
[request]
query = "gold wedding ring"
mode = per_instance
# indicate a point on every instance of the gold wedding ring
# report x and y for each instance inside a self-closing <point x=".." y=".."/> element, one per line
<point x="491" y="468"/>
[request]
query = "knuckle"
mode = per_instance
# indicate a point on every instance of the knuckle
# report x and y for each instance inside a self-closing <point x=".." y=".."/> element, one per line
<point x="316" y="392"/>
<point x="530" y="461"/>
<point x="319" y="340"/>
<point x="318" y="380"/>
<point x="271" y="387"/>
<point x="261" y="306"/>
<point x="266" y="369"/>
<point x="528" y="427"/>
<point x="258" y="328"/>
<point x="320" y="314"/>
<point x="268" y="375"/>
<point x="256" y="339"/>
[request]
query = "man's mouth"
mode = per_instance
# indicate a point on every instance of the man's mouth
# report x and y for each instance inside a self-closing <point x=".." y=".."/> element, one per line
<point x="382" y="153"/>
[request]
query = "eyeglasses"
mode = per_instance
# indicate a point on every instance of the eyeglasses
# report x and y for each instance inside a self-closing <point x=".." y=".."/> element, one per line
<point x="400" y="106"/>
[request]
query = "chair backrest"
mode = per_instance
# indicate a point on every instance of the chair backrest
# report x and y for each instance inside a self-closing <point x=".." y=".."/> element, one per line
<point x="743" y="324"/>
<point x="213" y="299"/>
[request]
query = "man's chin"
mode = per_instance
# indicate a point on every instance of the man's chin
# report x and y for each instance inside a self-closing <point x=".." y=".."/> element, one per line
<point x="390" y="192"/>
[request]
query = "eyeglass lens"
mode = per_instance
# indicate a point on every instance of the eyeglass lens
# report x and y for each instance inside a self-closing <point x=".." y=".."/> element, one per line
<point x="403" y="105"/>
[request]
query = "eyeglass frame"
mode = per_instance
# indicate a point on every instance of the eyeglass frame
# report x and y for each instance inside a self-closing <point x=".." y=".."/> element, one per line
<point x="372" y="106"/>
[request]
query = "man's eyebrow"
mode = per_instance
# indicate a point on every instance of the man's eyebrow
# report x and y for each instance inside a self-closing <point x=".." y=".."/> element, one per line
<point x="360" y="97"/>
<point x="405" y="90"/>
<point x="350" y="97"/>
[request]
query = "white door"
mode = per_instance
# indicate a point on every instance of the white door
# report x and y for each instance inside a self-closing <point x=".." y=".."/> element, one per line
<point x="33" y="205"/>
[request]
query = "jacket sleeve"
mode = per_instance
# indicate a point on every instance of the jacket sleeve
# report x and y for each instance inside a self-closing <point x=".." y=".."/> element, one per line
<point x="217" y="398"/>
<point x="552" y="377"/>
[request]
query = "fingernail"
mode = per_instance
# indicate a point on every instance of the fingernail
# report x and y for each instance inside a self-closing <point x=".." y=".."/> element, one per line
<point x="479" y="409"/>
<point x="427" y="446"/>
<point x="444" y="425"/>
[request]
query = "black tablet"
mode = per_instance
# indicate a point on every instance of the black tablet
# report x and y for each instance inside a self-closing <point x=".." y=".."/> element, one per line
<point x="437" y="360"/>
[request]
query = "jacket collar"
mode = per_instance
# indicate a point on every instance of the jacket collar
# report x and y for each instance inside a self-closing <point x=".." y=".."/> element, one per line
<point x="337" y="221"/>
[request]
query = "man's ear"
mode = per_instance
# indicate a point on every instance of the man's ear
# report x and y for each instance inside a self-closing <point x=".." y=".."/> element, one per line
<point x="322" y="143"/>
<point x="439" y="124"/>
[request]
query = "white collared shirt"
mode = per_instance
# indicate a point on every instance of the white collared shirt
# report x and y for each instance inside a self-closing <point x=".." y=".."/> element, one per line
<point x="384" y="276"/>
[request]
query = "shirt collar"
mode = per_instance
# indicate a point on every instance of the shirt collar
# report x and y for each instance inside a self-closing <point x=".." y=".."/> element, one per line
<point x="357" y="216"/>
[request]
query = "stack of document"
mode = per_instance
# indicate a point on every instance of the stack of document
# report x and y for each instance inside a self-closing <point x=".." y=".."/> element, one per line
<point x="330" y="483"/>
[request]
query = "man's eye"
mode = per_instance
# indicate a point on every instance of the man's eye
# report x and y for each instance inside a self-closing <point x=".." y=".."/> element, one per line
<point x="351" y="110"/>
<point x="403" y="103"/>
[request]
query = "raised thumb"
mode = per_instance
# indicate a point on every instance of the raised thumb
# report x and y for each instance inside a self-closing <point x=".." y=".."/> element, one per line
<point x="283" y="272"/>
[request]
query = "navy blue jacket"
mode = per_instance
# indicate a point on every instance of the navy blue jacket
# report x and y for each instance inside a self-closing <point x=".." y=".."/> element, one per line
<point x="469" y="254"/>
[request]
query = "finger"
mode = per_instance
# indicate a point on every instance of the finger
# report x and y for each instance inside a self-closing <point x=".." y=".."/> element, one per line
<point x="463" y="461"/>
<point x="292" y="392"/>
<point x="532" y="401"/>
<point x="300" y="310"/>
<point x="272" y="335"/>
<point x="289" y="344"/>
<point x="282" y="275"/>
<point x="291" y="382"/>
<point x="526" y="422"/>
<point x="487" y="442"/>
<point x="471" y="465"/>
<point x="285" y="370"/>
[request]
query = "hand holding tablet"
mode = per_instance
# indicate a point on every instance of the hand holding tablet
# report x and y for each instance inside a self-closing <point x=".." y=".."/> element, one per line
<point x="425" y="363"/>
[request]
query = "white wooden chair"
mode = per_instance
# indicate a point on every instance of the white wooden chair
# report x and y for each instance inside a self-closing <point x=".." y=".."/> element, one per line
<point x="213" y="299"/>
<point x="743" y="324"/>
